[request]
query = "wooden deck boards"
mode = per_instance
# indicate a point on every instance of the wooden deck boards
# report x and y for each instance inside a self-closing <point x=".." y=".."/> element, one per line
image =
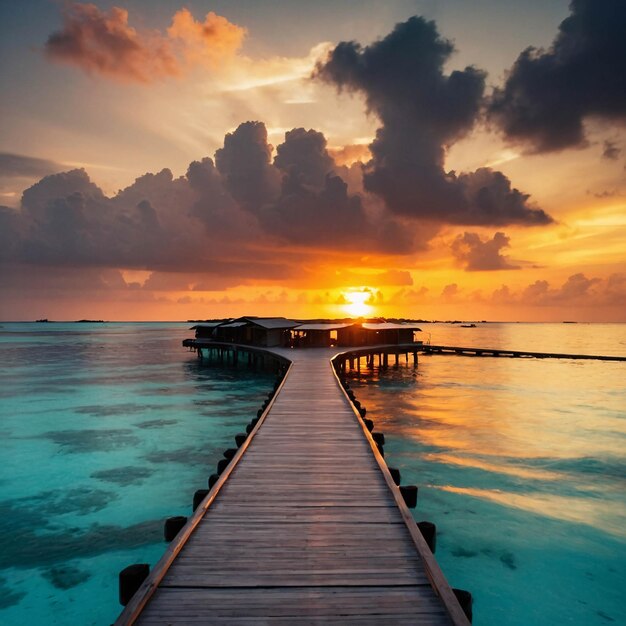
<point x="305" y="529"/>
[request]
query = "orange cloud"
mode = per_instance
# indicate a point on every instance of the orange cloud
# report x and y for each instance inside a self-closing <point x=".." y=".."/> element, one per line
<point x="104" y="43"/>
<point x="208" y="42"/>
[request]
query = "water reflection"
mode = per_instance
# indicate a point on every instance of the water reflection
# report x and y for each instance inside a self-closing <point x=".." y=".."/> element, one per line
<point x="498" y="468"/>
<point x="593" y="512"/>
<point x="521" y="465"/>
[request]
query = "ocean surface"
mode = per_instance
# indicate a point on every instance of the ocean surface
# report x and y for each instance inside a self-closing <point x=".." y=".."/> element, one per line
<point x="107" y="429"/>
<point x="521" y="464"/>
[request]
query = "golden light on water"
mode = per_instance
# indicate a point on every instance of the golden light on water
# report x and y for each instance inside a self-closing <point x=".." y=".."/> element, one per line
<point x="606" y="514"/>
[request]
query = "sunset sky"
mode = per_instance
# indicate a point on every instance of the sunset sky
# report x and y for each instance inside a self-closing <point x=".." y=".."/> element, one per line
<point x="438" y="159"/>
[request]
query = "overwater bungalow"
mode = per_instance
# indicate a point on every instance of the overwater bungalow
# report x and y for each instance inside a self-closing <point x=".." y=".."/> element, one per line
<point x="376" y="333"/>
<point x="255" y="331"/>
<point x="317" y="335"/>
<point x="278" y="331"/>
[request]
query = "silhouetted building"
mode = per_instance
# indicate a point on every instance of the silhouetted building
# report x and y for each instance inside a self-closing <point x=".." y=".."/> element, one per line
<point x="278" y="331"/>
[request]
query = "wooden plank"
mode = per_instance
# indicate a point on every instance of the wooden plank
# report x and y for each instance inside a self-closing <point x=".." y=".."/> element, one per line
<point x="379" y="605"/>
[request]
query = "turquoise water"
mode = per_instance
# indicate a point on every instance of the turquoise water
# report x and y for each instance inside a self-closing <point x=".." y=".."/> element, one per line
<point x="105" y="430"/>
<point x="521" y="464"/>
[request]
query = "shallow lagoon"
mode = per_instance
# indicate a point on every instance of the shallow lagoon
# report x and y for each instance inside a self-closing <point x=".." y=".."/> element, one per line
<point x="107" y="429"/>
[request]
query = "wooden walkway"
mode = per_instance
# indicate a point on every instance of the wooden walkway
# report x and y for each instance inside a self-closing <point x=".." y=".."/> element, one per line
<point x="304" y="527"/>
<point x="502" y="352"/>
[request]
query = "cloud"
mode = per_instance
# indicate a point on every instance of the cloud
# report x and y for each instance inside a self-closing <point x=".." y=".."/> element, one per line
<point x="208" y="42"/>
<point x="450" y="291"/>
<point x="304" y="155"/>
<point x="104" y="43"/>
<point x="422" y="112"/>
<point x="409" y="297"/>
<point x="245" y="218"/>
<point x="577" y="290"/>
<point x="10" y="233"/>
<point x="576" y="287"/>
<point x="549" y="94"/>
<point x="245" y="164"/>
<point x="20" y="166"/>
<point x="611" y="150"/>
<point x="478" y="255"/>
<point x="323" y="217"/>
<point x="492" y="201"/>
<point x="299" y="196"/>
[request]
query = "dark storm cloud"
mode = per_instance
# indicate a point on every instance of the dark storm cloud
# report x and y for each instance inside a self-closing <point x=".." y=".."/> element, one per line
<point x="423" y="111"/>
<point x="549" y="94"/>
<point x="309" y="216"/>
<point x="492" y="201"/>
<point x="299" y="197"/>
<point x="304" y="155"/>
<point x="20" y="166"/>
<point x="477" y="255"/>
<point x="245" y="164"/>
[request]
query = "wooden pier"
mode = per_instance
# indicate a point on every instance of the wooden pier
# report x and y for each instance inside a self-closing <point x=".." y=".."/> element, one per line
<point x="304" y="526"/>
<point x="501" y="352"/>
<point x="384" y="355"/>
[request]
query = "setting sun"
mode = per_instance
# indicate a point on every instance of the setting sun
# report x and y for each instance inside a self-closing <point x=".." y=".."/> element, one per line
<point x="358" y="303"/>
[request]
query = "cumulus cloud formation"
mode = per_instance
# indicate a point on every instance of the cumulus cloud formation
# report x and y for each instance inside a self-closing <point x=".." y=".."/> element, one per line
<point x="477" y="255"/>
<point x="549" y="94"/>
<point x="422" y="112"/>
<point x="300" y="196"/>
<point x="304" y="154"/>
<point x="577" y="291"/>
<point x="245" y="164"/>
<point x="105" y="43"/>
<point x="245" y="216"/>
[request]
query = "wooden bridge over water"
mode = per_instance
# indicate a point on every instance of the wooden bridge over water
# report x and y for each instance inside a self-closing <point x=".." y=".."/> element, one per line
<point x="305" y="525"/>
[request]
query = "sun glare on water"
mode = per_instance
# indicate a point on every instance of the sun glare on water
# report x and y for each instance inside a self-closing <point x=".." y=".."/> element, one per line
<point x="357" y="303"/>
